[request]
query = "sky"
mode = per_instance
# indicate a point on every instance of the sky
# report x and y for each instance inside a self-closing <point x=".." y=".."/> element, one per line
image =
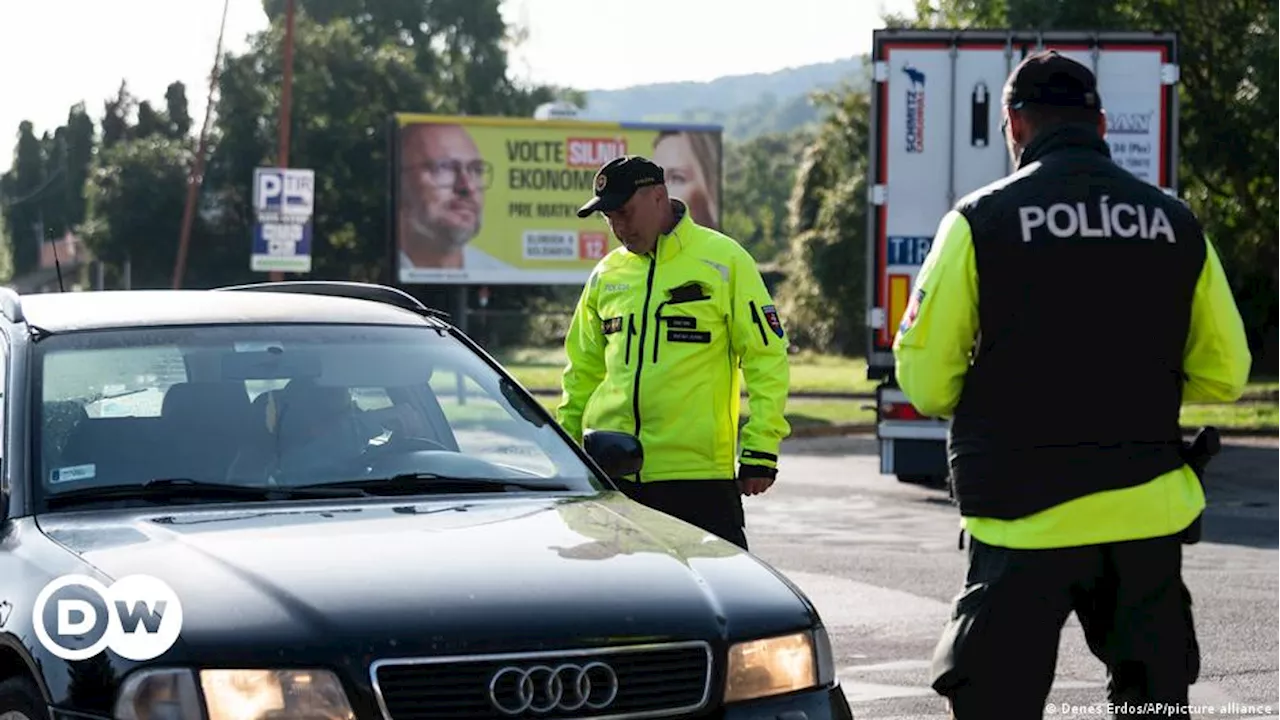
<point x="54" y="53"/>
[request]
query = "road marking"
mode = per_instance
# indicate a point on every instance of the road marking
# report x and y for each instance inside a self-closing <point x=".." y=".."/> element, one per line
<point x="849" y="603"/>
<point x="889" y="613"/>
<point x="890" y="665"/>
<point x="863" y="692"/>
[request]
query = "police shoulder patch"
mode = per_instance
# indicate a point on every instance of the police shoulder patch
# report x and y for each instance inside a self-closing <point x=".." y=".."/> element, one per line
<point x="771" y="317"/>
<point x="913" y="310"/>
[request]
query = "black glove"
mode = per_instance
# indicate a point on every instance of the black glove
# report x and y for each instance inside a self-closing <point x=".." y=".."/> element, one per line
<point x="1197" y="454"/>
<point x="756" y="471"/>
<point x="755" y="479"/>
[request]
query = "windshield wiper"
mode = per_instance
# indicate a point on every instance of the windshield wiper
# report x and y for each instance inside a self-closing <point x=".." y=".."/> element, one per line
<point x="162" y="489"/>
<point x="423" y="483"/>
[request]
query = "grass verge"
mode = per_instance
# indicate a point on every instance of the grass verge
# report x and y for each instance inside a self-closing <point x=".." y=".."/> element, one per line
<point x="1258" y="415"/>
<point x="806" y="414"/>
<point x="539" y="369"/>
<point x="810" y="372"/>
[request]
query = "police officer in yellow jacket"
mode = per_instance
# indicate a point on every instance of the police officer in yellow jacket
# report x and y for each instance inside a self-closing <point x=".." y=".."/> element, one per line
<point x="664" y="330"/>
<point x="1102" y="308"/>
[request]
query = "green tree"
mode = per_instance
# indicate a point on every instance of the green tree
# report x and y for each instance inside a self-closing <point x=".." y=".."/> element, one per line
<point x="353" y="68"/>
<point x="136" y="197"/>
<point x="344" y="93"/>
<point x="53" y="200"/>
<point x="42" y="196"/>
<point x="458" y="46"/>
<point x="117" y="116"/>
<point x="758" y="178"/>
<point x="823" y="296"/>
<point x="23" y="187"/>
<point x="177" y="112"/>
<point x="80" y="146"/>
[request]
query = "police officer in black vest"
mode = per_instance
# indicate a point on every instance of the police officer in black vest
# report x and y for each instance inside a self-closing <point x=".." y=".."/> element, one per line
<point x="1103" y="308"/>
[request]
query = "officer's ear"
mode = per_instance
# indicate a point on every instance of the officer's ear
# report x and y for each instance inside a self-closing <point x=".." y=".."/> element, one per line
<point x="1016" y="126"/>
<point x="1102" y="123"/>
<point x="660" y="194"/>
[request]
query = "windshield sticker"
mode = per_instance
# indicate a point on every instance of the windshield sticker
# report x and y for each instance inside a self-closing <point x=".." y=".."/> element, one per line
<point x="73" y="473"/>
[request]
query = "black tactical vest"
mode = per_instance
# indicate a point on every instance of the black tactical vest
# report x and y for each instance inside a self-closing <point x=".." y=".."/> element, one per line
<point x="1085" y="276"/>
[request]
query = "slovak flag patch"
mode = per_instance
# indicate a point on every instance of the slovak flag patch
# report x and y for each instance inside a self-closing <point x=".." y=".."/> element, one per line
<point x="913" y="309"/>
<point x="771" y="317"/>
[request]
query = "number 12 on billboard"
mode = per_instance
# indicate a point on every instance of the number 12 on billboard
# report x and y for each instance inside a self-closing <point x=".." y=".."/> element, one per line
<point x="593" y="245"/>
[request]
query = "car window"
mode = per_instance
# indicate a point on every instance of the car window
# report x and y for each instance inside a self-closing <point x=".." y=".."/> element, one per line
<point x="282" y="406"/>
<point x="115" y="382"/>
<point x="483" y="427"/>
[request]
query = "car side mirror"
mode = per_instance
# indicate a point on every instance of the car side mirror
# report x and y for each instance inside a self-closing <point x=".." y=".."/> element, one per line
<point x="617" y="453"/>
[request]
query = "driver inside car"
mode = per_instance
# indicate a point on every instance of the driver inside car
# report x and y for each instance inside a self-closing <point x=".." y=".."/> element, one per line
<point x="312" y="434"/>
<point x="319" y="432"/>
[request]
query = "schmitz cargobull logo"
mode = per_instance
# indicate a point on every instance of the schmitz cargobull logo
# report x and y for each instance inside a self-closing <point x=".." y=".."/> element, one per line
<point x="915" y="109"/>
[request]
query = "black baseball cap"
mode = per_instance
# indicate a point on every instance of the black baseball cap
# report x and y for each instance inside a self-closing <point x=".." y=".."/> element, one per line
<point x="1048" y="78"/>
<point x="619" y="179"/>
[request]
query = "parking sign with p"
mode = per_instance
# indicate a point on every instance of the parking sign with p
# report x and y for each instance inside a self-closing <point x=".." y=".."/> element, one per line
<point x="283" y="202"/>
<point x="284" y="191"/>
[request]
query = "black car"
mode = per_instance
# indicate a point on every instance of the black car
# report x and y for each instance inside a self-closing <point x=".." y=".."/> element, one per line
<point x="359" y="514"/>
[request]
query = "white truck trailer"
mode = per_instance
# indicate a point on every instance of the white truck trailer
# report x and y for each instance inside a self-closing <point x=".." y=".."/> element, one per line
<point x="935" y="137"/>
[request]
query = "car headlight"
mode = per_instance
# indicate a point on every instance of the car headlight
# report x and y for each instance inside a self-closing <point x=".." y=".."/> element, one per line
<point x="777" y="665"/>
<point x="170" y="694"/>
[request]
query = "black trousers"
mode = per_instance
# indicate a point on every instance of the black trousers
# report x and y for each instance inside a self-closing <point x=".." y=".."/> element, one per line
<point x="998" y="653"/>
<point x="713" y="505"/>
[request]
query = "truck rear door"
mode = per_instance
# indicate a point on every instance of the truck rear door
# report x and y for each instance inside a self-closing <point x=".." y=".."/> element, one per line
<point x="936" y="117"/>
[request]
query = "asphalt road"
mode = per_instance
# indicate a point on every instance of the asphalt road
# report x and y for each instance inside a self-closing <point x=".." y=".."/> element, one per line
<point x="880" y="561"/>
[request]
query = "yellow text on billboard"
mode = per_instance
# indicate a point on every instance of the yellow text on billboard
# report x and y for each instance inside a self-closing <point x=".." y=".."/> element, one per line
<point x="495" y="200"/>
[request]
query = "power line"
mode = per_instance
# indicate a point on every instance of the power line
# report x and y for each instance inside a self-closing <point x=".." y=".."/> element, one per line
<point x="35" y="194"/>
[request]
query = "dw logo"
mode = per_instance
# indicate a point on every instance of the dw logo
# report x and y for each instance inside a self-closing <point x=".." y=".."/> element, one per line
<point x="76" y="617"/>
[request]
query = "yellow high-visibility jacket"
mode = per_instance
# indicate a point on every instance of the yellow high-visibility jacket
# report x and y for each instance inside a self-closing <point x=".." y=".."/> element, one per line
<point x="655" y="349"/>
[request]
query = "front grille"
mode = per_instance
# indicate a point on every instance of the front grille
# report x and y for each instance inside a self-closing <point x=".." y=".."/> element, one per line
<point x="651" y="681"/>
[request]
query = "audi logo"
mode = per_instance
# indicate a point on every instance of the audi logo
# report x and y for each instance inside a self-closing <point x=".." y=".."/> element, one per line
<point x="543" y="688"/>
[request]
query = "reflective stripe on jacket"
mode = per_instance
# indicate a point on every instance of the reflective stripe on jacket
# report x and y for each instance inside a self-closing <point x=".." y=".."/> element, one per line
<point x="655" y="347"/>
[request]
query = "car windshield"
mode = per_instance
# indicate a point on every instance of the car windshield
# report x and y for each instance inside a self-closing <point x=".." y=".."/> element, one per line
<point x="283" y="407"/>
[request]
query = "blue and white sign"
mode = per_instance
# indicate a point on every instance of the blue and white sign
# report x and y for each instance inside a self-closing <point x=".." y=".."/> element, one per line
<point x="283" y="202"/>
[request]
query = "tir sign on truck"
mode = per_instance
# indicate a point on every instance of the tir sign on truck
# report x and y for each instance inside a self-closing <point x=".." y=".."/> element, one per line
<point x="935" y="117"/>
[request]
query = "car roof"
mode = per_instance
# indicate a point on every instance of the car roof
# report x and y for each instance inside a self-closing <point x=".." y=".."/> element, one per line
<point x="118" y="309"/>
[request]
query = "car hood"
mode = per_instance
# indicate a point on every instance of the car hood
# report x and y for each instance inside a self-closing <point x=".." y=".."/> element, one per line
<point x="440" y="576"/>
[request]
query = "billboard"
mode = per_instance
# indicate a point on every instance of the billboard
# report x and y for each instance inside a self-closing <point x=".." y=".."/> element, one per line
<point x="283" y="203"/>
<point x="936" y="136"/>
<point x="486" y="200"/>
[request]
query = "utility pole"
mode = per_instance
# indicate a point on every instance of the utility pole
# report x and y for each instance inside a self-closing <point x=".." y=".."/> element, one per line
<point x="197" y="170"/>
<point x="286" y="101"/>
